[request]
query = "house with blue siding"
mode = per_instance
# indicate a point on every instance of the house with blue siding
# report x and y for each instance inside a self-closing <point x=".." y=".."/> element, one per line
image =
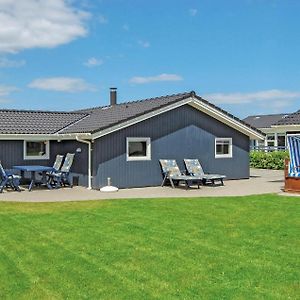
<point x="125" y="141"/>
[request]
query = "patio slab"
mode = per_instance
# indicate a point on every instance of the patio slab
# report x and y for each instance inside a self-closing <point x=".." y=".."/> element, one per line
<point x="260" y="182"/>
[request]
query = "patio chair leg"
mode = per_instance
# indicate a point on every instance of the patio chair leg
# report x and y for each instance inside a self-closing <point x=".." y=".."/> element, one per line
<point x="186" y="184"/>
<point x="164" y="180"/>
<point x="3" y="185"/>
<point x="31" y="185"/>
<point x="172" y="183"/>
<point x="16" y="188"/>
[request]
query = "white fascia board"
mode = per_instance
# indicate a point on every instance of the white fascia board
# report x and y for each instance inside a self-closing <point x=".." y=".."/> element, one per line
<point x="33" y="137"/>
<point x="215" y="113"/>
<point x="292" y="127"/>
<point x="140" y="119"/>
<point x="273" y="130"/>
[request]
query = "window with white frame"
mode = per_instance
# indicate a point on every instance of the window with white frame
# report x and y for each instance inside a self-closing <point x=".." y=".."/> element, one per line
<point x="223" y="147"/>
<point x="138" y="148"/>
<point x="36" y="150"/>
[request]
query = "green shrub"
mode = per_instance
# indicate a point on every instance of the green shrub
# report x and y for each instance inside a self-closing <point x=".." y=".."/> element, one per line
<point x="268" y="160"/>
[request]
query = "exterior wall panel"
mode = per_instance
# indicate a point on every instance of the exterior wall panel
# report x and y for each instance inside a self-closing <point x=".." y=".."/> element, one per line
<point x="181" y="133"/>
<point x="11" y="153"/>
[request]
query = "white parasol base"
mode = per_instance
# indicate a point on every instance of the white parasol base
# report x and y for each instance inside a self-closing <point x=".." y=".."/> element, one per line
<point x="109" y="189"/>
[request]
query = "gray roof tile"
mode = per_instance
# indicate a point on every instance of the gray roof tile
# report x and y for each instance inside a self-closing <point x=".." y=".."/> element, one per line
<point x="103" y="117"/>
<point x="35" y="122"/>
<point x="291" y="119"/>
<point x="264" y="121"/>
<point x="89" y="120"/>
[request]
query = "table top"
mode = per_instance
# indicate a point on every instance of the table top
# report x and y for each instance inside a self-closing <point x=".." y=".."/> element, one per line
<point x="33" y="168"/>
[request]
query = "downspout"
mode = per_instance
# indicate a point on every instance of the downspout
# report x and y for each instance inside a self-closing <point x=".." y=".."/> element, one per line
<point x="89" y="160"/>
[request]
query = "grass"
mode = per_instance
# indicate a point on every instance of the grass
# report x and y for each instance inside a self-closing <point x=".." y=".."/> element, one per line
<point x="205" y="248"/>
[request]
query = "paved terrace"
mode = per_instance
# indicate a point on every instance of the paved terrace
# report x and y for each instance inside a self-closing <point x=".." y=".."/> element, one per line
<point x="260" y="182"/>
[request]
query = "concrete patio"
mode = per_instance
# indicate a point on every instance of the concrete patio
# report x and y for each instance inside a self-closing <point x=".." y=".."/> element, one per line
<point x="260" y="182"/>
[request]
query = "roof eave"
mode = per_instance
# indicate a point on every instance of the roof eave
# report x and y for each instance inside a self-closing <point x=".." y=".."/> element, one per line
<point x="229" y="120"/>
<point x="197" y="103"/>
<point x="56" y="136"/>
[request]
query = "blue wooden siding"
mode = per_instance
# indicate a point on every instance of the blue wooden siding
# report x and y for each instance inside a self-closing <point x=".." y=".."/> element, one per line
<point x="181" y="133"/>
<point x="11" y="153"/>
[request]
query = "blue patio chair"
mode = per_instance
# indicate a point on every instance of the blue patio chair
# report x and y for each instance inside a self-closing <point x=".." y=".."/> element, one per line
<point x="172" y="173"/>
<point x="57" y="164"/>
<point x="61" y="177"/>
<point x="9" y="180"/>
<point x="194" y="168"/>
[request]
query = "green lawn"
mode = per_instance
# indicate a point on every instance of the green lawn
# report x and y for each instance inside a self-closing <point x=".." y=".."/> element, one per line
<point x="204" y="248"/>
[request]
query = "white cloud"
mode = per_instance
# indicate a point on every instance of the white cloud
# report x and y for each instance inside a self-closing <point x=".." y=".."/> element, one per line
<point x="93" y="62"/>
<point x="144" y="44"/>
<point x="5" y="90"/>
<point x="39" y="24"/>
<point x="8" y="63"/>
<point x="271" y="97"/>
<point x="193" y="12"/>
<point x="161" y="77"/>
<point x="62" y="84"/>
<point x="102" y="19"/>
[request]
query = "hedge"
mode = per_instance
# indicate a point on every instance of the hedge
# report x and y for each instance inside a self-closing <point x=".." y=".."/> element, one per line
<point x="268" y="160"/>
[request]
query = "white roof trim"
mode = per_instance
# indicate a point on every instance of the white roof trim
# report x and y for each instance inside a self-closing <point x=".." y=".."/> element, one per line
<point x="139" y="119"/>
<point x="44" y="136"/>
<point x="224" y="118"/>
<point x="288" y="127"/>
<point x="198" y="104"/>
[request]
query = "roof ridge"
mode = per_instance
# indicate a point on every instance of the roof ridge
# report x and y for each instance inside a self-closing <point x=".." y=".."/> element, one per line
<point x="137" y="101"/>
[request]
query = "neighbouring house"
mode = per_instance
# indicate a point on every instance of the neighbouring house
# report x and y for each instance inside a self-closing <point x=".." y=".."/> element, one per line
<point x="275" y="127"/>
<point x="125" y="141"/>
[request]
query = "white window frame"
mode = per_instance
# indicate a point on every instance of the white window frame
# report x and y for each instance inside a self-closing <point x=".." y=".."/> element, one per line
<point x="229" y="155"/>
<point x="138" y="139"/>
<point x="29" y="157"/>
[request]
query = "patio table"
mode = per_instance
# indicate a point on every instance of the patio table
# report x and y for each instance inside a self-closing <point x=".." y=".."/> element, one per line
<point x="33" y="169"/>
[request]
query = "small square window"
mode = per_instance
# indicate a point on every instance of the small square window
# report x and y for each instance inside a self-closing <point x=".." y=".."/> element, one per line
<point x="223" y="147"/>
<point x="281" y="140"/>
<point x="138" y="149"/>
<point x="36" y="149"/>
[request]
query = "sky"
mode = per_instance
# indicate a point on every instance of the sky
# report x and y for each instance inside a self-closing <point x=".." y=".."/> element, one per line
<point x="241" y="55"/>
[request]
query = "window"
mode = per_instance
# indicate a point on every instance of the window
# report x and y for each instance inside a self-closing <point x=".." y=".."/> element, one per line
<point x="36" y="149"/>
<point x="270" y="141"/>
<point x="138" y="149"/>
<point x="281" y="140"/>
<point x="223" y="147"/>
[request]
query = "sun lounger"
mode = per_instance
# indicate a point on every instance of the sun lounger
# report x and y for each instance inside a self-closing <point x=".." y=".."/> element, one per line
<point x="172" y="173"/>
<point x="194" y="168"/>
